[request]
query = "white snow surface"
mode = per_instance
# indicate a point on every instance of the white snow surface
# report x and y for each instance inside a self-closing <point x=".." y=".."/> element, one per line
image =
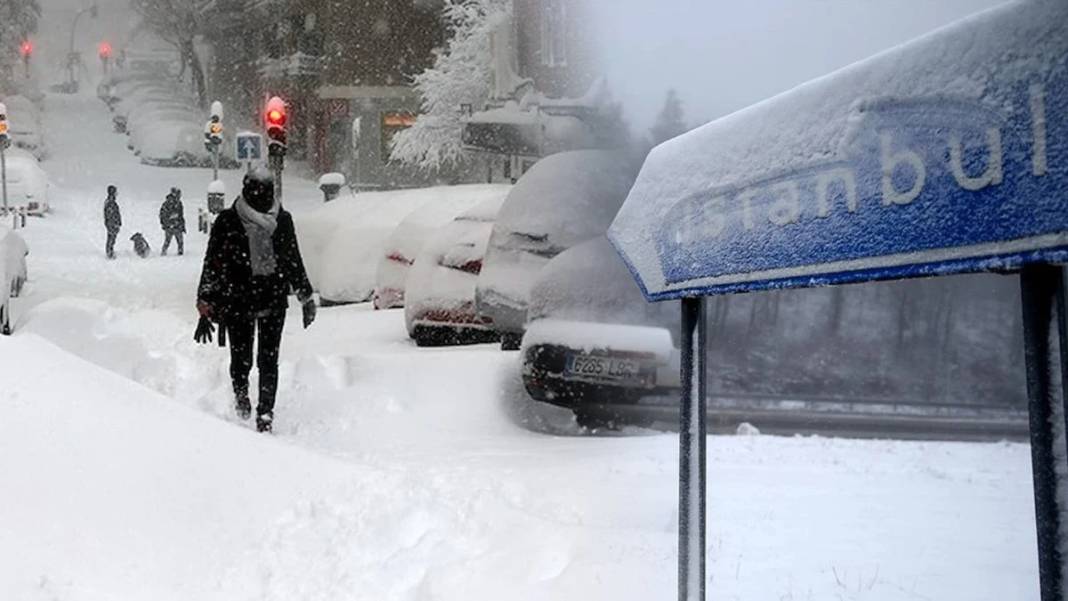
<point x="813" y="122"/>
<point x="411" y="234"/>
<point x="398" y="473"/>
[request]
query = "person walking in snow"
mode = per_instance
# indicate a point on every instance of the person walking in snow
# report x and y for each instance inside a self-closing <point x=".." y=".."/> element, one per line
<point x="112" y="220"/>
<point x="172" y="220"/>
<point x="252" y="264"/>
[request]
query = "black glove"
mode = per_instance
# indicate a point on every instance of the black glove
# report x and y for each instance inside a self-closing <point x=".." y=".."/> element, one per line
<point x="204" y="331"/>
<point x="310" y="309"/>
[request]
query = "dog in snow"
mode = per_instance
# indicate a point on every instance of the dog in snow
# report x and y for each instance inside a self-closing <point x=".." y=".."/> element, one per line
<point x="141" y="246"/>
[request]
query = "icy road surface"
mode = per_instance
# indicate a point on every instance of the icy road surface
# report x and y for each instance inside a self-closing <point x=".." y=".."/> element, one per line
<point x="399" y="473"/>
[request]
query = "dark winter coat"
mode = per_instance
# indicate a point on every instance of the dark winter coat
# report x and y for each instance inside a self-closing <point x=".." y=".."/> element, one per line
<point x="172" y="216"/>
<point x="226" y="282"/>
<point x="112" y="216"/>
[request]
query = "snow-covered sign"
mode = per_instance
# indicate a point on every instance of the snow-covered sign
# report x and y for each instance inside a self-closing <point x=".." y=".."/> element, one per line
<point x="946" y="155"/>
<point x="249" y="146"/>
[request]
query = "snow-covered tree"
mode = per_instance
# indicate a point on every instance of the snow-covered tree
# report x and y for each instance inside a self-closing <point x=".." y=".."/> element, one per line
<point x="670" y="122"/>
<point x="178" y="22"/>
<point x="462" y="74"/>
<point x="18" y="19"/>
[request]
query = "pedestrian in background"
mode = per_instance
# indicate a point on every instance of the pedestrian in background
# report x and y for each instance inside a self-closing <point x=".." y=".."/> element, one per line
<point x="112" y="219"/>
<point x="172" y="220"/>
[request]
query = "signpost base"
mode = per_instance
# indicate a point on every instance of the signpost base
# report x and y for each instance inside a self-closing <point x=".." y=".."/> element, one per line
<point x="692" y="439"/>
<point x="1042" y="289"/>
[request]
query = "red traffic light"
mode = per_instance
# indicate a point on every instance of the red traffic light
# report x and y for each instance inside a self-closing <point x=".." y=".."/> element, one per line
<point x="105" y="50"/>
<point x="26" y="48"/>
<point x="275" y="113"/>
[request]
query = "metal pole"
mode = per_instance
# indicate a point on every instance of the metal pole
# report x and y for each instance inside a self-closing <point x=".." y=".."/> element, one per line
<point x="1039" y="286"/>
<point x="3" y="174"/>
<point x="215" y="162"/>
<point x="692" y="438"/>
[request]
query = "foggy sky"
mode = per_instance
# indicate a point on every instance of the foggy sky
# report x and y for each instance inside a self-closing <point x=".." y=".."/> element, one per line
<point x="725" y="55"/>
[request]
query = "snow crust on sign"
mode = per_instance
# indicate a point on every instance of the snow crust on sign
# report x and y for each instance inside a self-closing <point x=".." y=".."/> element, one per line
<point x="433" y="283"/>
<point x="343" y="241"/>
<point x="412" y="233"/>
<point x="589" y="336"/>
<point x="564" y="199"/>
<point x="812" y="122"/>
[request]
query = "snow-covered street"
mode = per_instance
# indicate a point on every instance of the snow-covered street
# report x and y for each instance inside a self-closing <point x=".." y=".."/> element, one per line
<point x="399" y="473"/>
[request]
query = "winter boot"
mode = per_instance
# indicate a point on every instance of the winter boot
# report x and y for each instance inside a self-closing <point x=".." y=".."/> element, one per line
<point x="264" y="422"/>
<point x="242" y="405"/>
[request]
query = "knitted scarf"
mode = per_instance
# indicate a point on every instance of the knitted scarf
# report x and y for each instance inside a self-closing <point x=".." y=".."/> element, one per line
<point x="260" y="229"/>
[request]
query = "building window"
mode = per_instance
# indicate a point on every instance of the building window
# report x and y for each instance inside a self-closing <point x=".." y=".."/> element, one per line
<point x="393" y="122"/>
<point x="554" y="33"/>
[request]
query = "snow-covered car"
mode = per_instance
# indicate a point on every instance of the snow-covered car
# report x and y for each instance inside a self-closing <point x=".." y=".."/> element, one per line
<point x="440" y="308"/>
<point x="173" y="144"/>
<point x="13" y="252"/>
<point x="24" y="121"/>
<point x="342" y="241"/>
<point x="408" y="238"/>
<point x="592" y="339"/>
<point x="27" y="183"/>
<point x="563" y="200"/>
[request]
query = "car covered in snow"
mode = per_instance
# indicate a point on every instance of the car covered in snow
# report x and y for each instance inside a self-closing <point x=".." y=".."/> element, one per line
<point x="27" y="183"/>
<point x="592" y="341"/>
<point x="24" y="122"/>
<point x="563" y="200"/>
<point x="440" y="306"/>
<point x="13" y="252"/>
<point x="343" y="240"/>
<point x="172" y="144"/>
<point x="406" y="241"/>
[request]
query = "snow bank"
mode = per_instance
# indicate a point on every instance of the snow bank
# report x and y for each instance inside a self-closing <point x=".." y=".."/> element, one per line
<point x="113" y="492"/>
<point x="411" y="234"/>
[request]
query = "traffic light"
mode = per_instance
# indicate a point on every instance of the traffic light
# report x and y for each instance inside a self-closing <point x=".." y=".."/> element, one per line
<point x="26" y="49"/>
<point x="213" y="131"/>
<point x="5" y="137"/>
<point x="275" y="117"/>
<point x="105" y="51"/>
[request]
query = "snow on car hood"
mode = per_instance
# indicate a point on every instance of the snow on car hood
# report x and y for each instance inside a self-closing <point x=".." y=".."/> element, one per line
<point x="590" y="283"/>
<point x="564" y="199"/>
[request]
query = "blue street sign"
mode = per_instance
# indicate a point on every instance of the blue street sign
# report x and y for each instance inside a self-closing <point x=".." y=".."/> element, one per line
<point x="934" y="159"/>
<point x="249" y="146"/>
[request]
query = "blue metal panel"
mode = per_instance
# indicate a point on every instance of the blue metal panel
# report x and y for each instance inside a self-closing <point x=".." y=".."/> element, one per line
<point x="927" y="186"/>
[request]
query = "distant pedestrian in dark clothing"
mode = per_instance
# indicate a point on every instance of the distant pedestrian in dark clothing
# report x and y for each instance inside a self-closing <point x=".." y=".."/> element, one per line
<point x="141" y="247"/>
<point x="112" y="219"/>
<point x="252" y="264"/>
<point x="172" y="220"/>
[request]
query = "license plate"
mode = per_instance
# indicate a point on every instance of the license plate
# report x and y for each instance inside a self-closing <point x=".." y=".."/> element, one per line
<point x="604" y="369"/>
